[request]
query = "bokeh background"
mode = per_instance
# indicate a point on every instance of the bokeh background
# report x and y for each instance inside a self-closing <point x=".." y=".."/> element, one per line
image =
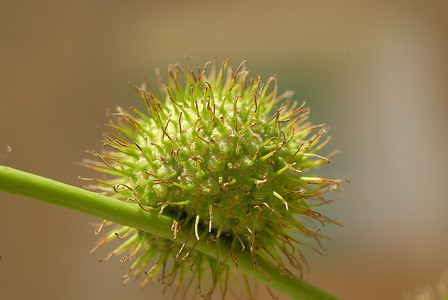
<point x="375" y="71"/>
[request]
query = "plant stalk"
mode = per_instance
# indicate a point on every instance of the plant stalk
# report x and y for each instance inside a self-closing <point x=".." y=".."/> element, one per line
<point x="125" y="213"/>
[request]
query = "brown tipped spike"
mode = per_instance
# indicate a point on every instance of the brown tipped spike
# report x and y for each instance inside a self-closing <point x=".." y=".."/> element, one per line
<point x="244" y="62"/>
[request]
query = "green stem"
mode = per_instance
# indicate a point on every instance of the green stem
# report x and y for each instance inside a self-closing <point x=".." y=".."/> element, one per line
<point x="43" y="189"/>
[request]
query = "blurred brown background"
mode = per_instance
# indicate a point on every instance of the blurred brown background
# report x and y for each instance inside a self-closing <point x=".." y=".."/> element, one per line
<point x="376" y="71"/>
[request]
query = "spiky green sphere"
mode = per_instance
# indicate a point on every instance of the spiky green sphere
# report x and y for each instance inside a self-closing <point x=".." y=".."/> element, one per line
<point x="227" y="158"/>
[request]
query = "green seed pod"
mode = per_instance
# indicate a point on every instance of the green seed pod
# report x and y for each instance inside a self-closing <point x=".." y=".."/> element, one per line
<point x="225" y="157"/>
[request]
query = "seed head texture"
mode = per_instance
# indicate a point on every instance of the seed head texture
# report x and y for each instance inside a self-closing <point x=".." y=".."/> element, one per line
<point x="228" y="159"/>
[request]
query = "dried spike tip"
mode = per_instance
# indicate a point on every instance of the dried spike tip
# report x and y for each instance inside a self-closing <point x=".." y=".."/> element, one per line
<point x="229" y="160"/>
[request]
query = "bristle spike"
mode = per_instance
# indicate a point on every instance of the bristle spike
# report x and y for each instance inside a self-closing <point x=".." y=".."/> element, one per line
<point x="278" y="196"/>
<point x="196" y="224"/>
<point x="210" y="222"/>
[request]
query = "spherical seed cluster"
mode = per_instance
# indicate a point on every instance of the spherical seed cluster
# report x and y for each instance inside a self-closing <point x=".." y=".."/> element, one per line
<point x="225" y="157"/>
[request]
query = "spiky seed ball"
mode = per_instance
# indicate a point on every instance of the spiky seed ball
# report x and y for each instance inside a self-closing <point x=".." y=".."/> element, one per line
<point x="227" y="158"/>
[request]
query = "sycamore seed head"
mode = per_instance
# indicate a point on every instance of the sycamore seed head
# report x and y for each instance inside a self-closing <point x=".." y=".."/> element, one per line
<point x="225" y="156"/>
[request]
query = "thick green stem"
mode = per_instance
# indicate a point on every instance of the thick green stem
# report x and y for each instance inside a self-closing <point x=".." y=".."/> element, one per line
<point x="125" y="213"/>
